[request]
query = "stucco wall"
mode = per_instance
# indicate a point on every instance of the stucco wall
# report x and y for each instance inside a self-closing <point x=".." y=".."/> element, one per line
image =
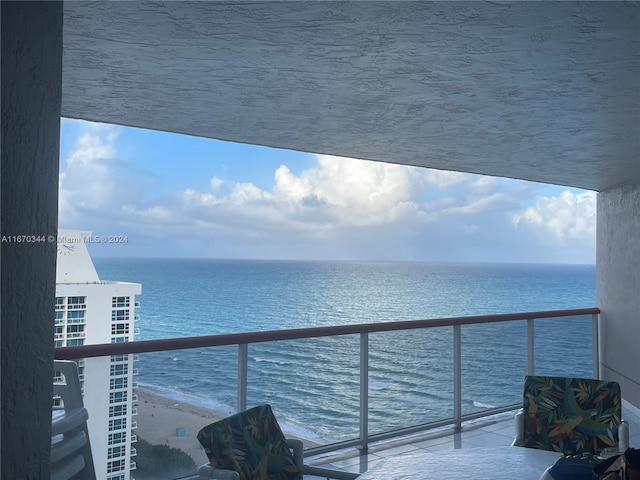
<point x="31" y="92"/>
<point x="618" y="286"/>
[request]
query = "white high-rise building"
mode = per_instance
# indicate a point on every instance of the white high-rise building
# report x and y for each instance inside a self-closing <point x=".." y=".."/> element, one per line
<point x="92" y="311"/>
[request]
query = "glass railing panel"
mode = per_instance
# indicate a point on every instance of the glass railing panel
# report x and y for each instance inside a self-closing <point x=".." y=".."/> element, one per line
<point x="564" y="346"/>
<point x="410" y="378"/>
<point x="179" y="393"/>
<point x="494" y="363"/>
<point x="311" y="384"/>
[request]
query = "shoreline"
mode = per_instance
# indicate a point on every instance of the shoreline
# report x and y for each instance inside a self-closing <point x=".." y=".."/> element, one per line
<point x="159" y="417"/>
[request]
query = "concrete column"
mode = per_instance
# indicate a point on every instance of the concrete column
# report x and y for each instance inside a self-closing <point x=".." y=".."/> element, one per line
<point x="618" y="287"/>
<point x="31" y="95"/>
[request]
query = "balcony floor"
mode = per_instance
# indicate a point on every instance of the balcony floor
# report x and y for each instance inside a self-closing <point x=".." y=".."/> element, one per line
<point x="495" y="431"/>
<point x="488" y="432"/>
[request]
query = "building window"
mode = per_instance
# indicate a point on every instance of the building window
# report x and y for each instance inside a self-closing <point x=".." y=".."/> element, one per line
<point x="59" y="318"/>
<point x="119" y="369"/>
<point x="117" y="410"/>
<point x="115" y="466"/>
<point x="120" y="358"/>
<point x="75" y="328"/>
<point x="119" y="315"/>
<point x="119" y="437"/>
<point x="59" y="303"/>
<point x="116" y="477"/>
<point x="58" y="343"/>
<point x="76" y="316"/>
<point x="115" y="452"/>
<point x="117" y="383"/>
<point x="119" y="328"/>
<point x="119" y="339"/>
<point x="117" y="397"/>
<point x="75" y="342"/>
<point x="118" y="424"/>
<point x="76" y="303"/>
<point x="120" y="302"/>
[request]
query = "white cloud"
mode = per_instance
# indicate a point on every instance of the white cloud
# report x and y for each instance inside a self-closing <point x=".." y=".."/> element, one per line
<point x="338" y="208"/>
<point x="216" y="183"/>
<point x="88" y="182"/>
<point x="564" y="218"/>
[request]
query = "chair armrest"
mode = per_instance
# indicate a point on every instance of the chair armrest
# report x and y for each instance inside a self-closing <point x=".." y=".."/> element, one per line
<point x="519" y="426"/>
<point x="623" y="436"/>
<point x="297" y="448"/>
<point x="207" y="471"/>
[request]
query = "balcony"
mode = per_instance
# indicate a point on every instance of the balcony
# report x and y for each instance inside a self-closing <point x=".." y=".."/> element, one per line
<point x="364" y="431"/>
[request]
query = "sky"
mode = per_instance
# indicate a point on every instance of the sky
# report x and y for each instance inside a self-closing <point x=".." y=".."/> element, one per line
<point x="168" y="195"/>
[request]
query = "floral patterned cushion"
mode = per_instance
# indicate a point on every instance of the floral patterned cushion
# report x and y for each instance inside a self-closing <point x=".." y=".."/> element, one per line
<point x="252" y="444"/>
<point x="571" y="415"/>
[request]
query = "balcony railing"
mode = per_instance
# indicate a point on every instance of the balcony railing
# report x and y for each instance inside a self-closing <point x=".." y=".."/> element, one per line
<point x="243" y="340"/>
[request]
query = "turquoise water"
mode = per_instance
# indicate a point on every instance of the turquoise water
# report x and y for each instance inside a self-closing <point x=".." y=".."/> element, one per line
<point x="313" y="384"/>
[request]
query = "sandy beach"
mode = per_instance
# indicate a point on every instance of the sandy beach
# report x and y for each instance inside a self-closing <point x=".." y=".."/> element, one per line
<point x="159" y="417"/>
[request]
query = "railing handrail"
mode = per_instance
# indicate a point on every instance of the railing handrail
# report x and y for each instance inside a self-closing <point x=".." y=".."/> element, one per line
<point x="183" y="343"/>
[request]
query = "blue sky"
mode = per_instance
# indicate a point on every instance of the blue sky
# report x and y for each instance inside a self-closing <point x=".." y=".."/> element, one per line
<point x="180" y="196"/>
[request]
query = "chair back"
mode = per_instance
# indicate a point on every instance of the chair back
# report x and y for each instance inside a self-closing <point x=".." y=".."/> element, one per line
<point x="252" y="444"/>
<point x="571" y="415"/>
<point x="70" y="446"/>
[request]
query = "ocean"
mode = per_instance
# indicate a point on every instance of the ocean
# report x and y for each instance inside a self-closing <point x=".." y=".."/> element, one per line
<point x="312" y="384"/>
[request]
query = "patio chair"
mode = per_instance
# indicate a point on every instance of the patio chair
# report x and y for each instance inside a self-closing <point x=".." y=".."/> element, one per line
<point x="70" y="447"/>
<point x="571" y="415"/>
<point x="250" y="446"/>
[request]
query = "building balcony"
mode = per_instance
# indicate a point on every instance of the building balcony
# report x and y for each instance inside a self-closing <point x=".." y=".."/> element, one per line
<point x="374" y="419"/>
<point x="134" y="452"/>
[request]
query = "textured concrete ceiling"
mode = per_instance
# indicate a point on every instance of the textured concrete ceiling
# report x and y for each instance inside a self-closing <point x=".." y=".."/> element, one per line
<point x="543" y="91"/>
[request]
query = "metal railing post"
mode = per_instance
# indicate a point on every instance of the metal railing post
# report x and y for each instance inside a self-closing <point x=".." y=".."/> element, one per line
<point x="364" y="391"/>
<point x="457" y="377"/>
<point x="595" y="337"/>
<point x="243" y="362"/>
<point x="531" y="347"/>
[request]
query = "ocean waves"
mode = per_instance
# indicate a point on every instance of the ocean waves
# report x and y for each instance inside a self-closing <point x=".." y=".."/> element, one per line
<point x="313" y="384"/>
